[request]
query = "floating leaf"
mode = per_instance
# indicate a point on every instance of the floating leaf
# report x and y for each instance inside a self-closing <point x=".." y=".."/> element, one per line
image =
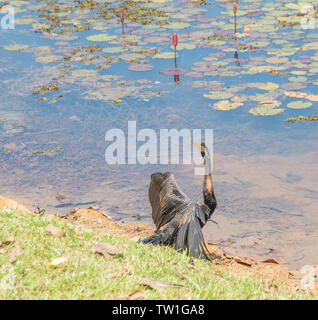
<point x="48" y="59"/>
<point x="295" y="94"/>
<point x="297" y="79"/>
<point x="140" y="67"/>
<point x="177" y="25"/>
<point x="164" y="55"/>
<point x="267" y="109"/>
<point x="16" y="47"/>
<point x="299" y="105"/>
<point x="182" y="46"/>
<point x="226" y="105"/>
<point x="82" y="73"/>
<point x="173" y="71"/>
<point x="24" y="21"/>
<point x="269" y="86"/>
<point x="312" y="97"/>
<point x="101" y="37"/>
<point x="301" y="118"/>
<point x="310" y="46"/>
<point x="218" y="95"/>
<point x="114" y="49"/>
<point x="48" y="88"/>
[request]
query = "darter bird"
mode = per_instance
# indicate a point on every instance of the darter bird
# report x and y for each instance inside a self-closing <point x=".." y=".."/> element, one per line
<point x="178" y="219"/>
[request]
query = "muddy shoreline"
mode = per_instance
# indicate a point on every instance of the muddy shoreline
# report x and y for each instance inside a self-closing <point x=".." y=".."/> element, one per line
<point x="98" y="222"/>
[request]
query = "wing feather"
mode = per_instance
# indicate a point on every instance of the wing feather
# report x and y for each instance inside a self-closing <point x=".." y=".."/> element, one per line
<point x="190" y="236"/>
<point x="166" y="198"/>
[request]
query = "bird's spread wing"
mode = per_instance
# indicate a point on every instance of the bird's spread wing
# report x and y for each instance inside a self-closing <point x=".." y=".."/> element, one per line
<point x="166" y="198"/>
<point x="190" y="236"/>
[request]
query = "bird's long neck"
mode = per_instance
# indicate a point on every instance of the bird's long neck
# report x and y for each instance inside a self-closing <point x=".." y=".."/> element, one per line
<point x="208" y="193"/>
<point x="207" y="164"/>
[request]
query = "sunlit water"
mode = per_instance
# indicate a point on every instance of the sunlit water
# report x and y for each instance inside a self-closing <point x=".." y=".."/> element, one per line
<point x="265" y="169"/>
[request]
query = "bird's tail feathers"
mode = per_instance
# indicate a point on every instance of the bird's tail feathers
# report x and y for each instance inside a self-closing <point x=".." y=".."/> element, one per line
<point x="190" y="237"/>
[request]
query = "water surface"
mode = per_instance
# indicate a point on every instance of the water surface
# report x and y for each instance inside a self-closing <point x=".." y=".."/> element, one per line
<point x="265" y="169"/>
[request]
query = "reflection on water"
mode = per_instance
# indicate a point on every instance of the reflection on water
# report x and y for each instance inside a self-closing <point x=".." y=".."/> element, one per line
<point x="265" y="170"/>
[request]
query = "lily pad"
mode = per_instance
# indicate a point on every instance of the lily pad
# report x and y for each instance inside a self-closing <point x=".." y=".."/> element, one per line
<point x="267" y="108"/>
<point x="226" y="105"/>
<point x="82" y="73"/>
<point x="297" y="79"/>
<point x="16" y="47"/>
<point x="164" y="55"/>
<point x="177" y="25"/>
<point x="173" y="71"/>
<point x="114" y="49"/>
<point x="140" y="67"/>
<point x="218" y="95"/>
<point x="48" y="59"/>
<point x="299" y="105"/>
<point x="100" y="37"/>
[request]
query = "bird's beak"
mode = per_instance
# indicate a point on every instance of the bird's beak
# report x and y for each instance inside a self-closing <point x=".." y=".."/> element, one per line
<point x="196" y="145"/>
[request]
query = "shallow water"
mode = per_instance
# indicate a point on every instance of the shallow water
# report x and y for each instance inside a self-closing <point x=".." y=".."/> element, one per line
<point x="265" y="169"/>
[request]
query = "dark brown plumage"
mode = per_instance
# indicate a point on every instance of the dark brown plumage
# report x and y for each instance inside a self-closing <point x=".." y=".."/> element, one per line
<point x="178" y="219"/>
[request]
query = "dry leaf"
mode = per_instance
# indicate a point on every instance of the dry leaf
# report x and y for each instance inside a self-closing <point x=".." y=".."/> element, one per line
<point x="49" y="216"/>
<point x="56" y="232"/>
<point x="270" y="286"/>
<point x="4" y="250"/>
<point x="117" y="274"/>
<point x="274" y="260"/>
<point x="10" y="240"/>
<point x="133" y="295"/>
<point x="243" y="261"/>
<point x="94" y="207"/>
<point x="14" y="254"/>
<point x="58" y="261"/>
<point x="153" y="284"/>
<point x="106" y="249"/>
<point x="180" y="275"/>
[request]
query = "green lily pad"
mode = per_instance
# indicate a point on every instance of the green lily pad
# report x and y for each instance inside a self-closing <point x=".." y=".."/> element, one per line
<point x="299" y="105"/>
<point x="140" y="67"/>
<point x="267" y="108"/>
<point x="226" y="105"/>
<point x="48" y="59"/>
<point x="82" y="73"/>
<point x="164" y="55"/>
<point x="297" y="79"/>
<point x="219" y="95"/>
<point x="182" y="46"/>
<point x="269" y="86"/>
<point x="16" y="47"/>
<point x="24" y="21"/>
<point x="310" y="46"/>
<point x="177" y="25"/>
<point x="101" y="37"/>
<point x="114" y="49"/>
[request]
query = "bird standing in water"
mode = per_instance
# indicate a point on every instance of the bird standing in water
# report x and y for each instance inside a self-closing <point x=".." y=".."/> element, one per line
<point x="178" y="219"/>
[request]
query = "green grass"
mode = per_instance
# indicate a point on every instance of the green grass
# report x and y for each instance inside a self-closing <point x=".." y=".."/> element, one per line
<point x="86" y="275"/>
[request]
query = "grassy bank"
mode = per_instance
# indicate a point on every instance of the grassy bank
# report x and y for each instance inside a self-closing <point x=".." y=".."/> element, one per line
<point x="26" y="270"/>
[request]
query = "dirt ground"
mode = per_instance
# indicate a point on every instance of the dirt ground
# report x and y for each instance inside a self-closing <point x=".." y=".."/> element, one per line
<point x="92" y="219"/>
